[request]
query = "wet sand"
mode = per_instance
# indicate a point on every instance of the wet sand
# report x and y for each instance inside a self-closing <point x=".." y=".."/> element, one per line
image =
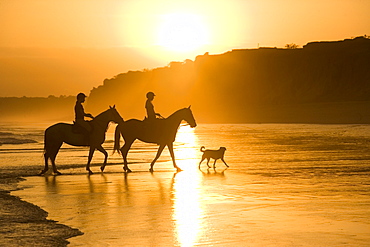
<point x="222" y="207"/>
<point x="25" y="224"/>
<point x="287" y="185"/>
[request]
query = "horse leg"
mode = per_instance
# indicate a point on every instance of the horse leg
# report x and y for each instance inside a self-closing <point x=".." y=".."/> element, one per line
<point x="55" y="171"/>
<point x="101" y="149"/>
<point x="46" y="168"/>
<point x="91" y="153"/>
<point x="170" y="147"/>
<point x="124" y="151"/>
<point x="51" y="153"/>
<point x="159" y="152"/>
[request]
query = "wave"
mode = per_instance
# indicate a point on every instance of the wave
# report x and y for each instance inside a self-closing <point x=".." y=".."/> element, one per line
<point x="11" y="138"/>
<point x="6" y="134"/>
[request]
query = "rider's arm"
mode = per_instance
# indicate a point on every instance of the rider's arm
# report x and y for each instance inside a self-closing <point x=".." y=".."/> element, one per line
<point x="88" y="115"/>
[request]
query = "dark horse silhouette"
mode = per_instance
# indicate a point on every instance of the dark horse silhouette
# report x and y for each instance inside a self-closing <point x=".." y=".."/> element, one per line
<point x="159" y="131"/>
<point x="59" y="133"/>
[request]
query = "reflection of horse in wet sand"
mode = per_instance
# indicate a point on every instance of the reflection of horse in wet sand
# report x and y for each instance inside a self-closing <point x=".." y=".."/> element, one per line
<point x="59" y="133"/>
<point x="159" y="131"/>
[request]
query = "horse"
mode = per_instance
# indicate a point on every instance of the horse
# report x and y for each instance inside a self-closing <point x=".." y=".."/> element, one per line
<point x="157" y="131"/>
<point x="60" y="133"/>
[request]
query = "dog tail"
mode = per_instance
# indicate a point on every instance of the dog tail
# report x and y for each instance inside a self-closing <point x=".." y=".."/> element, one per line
<point x="202" y="149"/>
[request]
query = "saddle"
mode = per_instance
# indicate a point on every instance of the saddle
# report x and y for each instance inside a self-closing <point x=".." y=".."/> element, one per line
<point x="78" y="129"/>
<point x="153" y="128"/>
<point x="153" y="123"/>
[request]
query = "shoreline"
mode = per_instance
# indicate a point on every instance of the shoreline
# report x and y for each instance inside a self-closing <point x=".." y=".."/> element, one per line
<point x="23" y="223"/>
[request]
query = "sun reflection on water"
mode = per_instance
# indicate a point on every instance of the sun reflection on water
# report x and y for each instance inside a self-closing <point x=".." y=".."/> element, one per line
<point x="186" y="149"/>
<point x="187" y="208"/>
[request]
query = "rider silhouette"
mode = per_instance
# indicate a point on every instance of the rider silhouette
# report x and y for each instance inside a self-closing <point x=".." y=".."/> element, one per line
<point x="80" y="113"/>
<point x="151" y="114"/>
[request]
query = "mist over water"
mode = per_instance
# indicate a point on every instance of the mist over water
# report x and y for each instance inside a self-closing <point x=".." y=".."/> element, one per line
<point x="287" y="185"/>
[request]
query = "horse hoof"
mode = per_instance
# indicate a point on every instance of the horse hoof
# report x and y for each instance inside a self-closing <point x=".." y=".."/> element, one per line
<point x="102" y="169"/>
<point x="57" y="173"/>
<point x="126" y="169"/>
<point x="42" y="173"/>
<point x="90" y="172"/>
<point x="151" y="170"/>
<point x="178" y="169"/>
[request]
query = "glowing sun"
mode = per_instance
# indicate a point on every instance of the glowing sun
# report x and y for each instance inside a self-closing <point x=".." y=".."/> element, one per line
<point x="182" y="32"/>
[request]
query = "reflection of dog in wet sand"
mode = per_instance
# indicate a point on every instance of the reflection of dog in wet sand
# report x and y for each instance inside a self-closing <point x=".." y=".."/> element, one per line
<point x="214" y="154"/>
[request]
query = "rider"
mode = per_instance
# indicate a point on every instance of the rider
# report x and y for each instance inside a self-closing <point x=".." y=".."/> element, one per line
<point x="80" y="113"/>
<point x="151" y="114"/>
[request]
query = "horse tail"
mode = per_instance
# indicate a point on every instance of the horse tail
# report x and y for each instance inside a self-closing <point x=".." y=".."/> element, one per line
<point x="202" y="149"/>
<point x="117" y="135"/>
<point x="46" y="140"/>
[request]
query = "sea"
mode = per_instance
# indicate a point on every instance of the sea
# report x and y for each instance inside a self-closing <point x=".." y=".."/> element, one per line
<point x="286" y="185"/>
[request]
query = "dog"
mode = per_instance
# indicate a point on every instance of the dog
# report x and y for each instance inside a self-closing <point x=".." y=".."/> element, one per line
<point x="214" y="154"/>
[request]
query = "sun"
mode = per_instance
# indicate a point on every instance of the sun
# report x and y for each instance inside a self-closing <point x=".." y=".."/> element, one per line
<point x="182" y="32"/>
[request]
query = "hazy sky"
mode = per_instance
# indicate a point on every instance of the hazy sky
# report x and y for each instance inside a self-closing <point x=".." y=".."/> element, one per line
<point x="62" y="47"/>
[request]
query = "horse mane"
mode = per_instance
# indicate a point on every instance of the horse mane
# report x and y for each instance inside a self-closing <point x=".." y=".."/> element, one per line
<point x="177" y="111"/>
<point x="99" y="115"/>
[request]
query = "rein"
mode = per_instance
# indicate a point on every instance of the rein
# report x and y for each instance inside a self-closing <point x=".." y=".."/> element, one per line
<point x="101" y="122"/>
<point x="178" y="115"/>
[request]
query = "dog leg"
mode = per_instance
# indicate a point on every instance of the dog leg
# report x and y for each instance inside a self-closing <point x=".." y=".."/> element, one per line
<point x="214" y="164"/>
<point x="208" y="162"/>
<point x="201" y="162"/>
<point x="224" y="162"/>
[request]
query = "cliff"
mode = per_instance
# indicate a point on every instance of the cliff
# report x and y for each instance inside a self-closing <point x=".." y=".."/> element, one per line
<point x="323" y="82"/>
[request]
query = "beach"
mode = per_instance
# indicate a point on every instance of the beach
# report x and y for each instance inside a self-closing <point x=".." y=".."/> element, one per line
<point x="287" y="185"/>
<point x="23" y="223"/>
<point x="241" y="123"/>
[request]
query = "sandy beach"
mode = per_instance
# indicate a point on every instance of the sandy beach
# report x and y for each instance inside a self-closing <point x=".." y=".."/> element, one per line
<point x="241" y="123"/>
<point x="192" y="208"/>
<point x="287" y="185"/>
<point x="25" y="224"/>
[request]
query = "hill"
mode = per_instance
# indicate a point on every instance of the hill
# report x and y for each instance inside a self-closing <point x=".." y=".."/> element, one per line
<point x="37" y="109"/>
<point x="323" y="82"/>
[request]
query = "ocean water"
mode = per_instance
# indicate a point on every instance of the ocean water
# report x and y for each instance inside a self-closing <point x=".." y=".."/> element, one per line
<point x="287" y="185"/>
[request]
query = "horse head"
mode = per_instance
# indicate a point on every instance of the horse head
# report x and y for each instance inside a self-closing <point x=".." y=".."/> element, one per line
<point x="189" y="118"/>
<point x="115" y="116"/>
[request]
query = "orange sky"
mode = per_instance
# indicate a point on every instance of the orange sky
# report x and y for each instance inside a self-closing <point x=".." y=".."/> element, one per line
<point x="61" y="47"/>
